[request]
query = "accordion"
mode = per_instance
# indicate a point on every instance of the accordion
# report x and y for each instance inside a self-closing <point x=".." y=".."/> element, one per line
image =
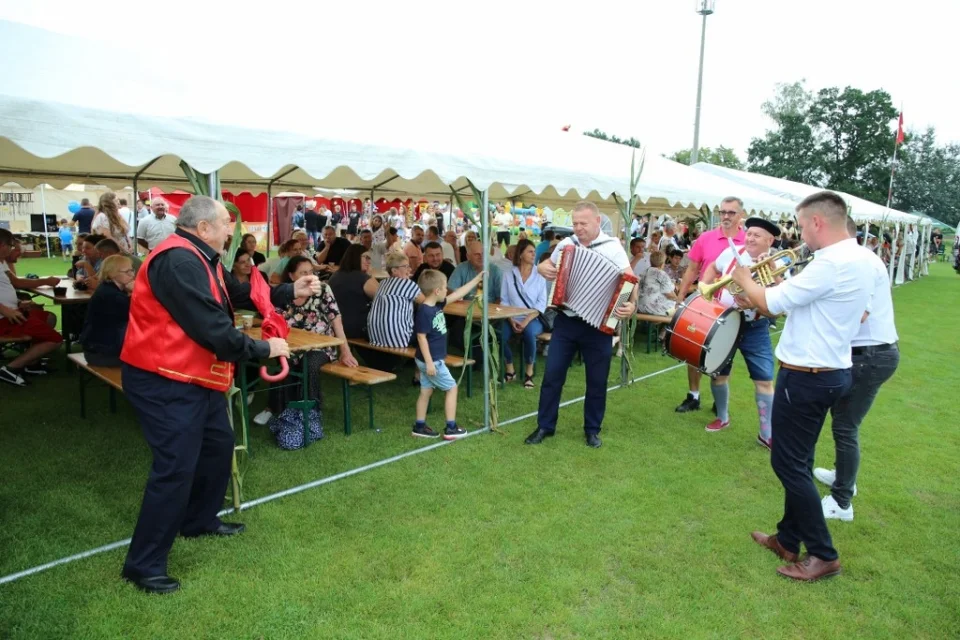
<point x="591" y="286"/>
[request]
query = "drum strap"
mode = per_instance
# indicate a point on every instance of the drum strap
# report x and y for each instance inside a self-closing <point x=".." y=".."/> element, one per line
<point x="734" y="262"/>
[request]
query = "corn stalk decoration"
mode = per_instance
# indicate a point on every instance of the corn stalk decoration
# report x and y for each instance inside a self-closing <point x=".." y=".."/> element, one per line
<point x="492" y="351"/>
<point x="200" y="182"/>
<point x="628" y="327"/>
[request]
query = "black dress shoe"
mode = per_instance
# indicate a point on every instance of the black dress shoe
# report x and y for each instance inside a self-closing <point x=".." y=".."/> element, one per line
<point x="593" y="440"/>
<point x="689" y="404"/>
<point x="537" y="436"/>
<point x="225" y="529"/>
<point x="153" y="584"/>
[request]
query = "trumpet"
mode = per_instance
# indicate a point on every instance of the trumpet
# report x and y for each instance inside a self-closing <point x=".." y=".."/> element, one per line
<point x="765" y="272"/>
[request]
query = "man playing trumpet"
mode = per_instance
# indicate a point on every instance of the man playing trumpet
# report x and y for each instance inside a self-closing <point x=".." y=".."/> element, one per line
<point x="755" y="345"/>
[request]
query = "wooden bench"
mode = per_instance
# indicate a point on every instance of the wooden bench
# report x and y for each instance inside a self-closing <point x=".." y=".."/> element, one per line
<point x="653" y="323"/>
<point x="352" y="376"/>
<point x="452" y="361"/>
<point x="88" y="372"/>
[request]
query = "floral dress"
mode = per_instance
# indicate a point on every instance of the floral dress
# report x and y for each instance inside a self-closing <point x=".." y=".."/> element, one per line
<point x="317" y="315"/>
<point x="653" y="285"/>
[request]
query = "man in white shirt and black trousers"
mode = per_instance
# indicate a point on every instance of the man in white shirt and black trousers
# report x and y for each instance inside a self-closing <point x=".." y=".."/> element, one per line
<point x="825" y="304"/>
<point x="875" y="359"/>
<point x="571" y="334"/>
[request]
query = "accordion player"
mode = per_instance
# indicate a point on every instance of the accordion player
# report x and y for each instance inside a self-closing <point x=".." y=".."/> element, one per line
<point x="592" y="286"/>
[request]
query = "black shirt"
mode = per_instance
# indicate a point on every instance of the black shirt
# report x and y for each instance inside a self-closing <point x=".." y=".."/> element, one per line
<point x="445" y="268"/>
<point x="313" y="220"/>
<point x="353" y="219"/>
<point x="258" y="258"/>
<point x="347" y="287"/>
<point x="340" y="246"/>
<point x="105" y="325"/>
<point x="430" y="321"/>
<point x="84" y="218"/>
<point x="181" y="283"/>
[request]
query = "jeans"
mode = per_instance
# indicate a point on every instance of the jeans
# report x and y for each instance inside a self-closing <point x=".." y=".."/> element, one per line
<point x="569" y="336"/>
<point x="314" y="238"/>
<point x="871" y="369"/>
<point x="800" y="406"/>
<point x="529" y="337"/>
<point x="757" y="351"/>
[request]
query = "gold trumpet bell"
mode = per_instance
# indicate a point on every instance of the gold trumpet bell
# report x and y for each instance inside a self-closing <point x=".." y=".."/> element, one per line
<point x="765" y="272"/>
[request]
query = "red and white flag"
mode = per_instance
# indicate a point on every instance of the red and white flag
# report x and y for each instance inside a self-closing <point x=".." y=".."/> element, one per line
<point x="900" y="129"/>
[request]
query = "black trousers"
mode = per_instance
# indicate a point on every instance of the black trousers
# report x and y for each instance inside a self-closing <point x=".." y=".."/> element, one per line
<point x="503" y="237"/>
<point x="189" y="433"/>
<point x="800" y="406"/>
<point x="571" y="335"/>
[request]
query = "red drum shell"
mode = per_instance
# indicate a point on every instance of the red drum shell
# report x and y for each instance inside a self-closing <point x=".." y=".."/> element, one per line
<point x="699" y="328"/>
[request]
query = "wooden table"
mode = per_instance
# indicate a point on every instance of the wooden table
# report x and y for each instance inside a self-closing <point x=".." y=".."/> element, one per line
<point x="73" y="297"/>
<point x="495" y="313"/>
<point x="299" y="340"/>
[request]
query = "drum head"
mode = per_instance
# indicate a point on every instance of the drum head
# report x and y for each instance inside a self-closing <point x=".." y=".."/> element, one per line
<point x="723" y="340"/>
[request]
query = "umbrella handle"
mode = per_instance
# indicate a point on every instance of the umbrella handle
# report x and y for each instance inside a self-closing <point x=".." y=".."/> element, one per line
<point x="284" y="370"/>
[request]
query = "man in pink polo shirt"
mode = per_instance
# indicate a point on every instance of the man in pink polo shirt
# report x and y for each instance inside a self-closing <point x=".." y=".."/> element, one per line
<point x="704" y="253"/>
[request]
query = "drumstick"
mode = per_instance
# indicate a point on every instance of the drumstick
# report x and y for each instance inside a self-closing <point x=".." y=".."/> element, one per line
<point x="736" y="254"/>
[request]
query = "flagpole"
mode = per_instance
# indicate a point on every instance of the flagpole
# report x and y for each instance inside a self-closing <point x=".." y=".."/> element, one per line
<point x="893" y="163"/>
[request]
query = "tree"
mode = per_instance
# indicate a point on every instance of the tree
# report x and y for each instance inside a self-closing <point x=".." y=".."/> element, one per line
<point x="928" y="178"/>
<point x="790" y="150"/>
<point x="596" y="133"/>
<point x="721" y="156"/>
<point x="835" y="139"/>
<point x="856" y="140"/>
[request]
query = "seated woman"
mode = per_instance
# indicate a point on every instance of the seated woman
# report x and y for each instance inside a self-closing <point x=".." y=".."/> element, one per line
<point x="657" y="294"/>
<point x="354" y="290"/>
<point x="523" y="286"/>
<point x="390" y="321"/>
<point x="105" y="325"/>
<point x="318" y="313"/>
<point x="248" y="244"/>
<point x="672" y="267"/>
<point x="274" y="267"/>
<point x="88" y="266"/>
<point x="243" y="267"/>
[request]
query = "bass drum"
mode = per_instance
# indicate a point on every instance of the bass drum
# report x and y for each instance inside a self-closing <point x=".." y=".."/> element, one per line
<point x="704" y="334"/>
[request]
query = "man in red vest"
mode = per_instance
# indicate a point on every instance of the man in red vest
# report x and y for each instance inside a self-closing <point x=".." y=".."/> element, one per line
<point x="179" y="355"/>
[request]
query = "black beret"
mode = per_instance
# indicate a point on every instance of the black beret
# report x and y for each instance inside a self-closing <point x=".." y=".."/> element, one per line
<point x="766" y="225"/>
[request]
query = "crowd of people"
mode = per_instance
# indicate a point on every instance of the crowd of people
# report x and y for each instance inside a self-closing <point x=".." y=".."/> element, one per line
<point x="168" y="323"/>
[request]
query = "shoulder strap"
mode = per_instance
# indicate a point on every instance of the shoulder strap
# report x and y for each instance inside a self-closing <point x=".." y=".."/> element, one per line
<point x="516" y="285"/>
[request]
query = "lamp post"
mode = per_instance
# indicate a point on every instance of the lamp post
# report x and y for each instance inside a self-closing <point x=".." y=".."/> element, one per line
<point x="704" y="8"/>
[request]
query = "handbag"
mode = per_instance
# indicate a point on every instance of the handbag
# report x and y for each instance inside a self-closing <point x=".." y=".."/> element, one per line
<point x="288" y="428"/>
<point x="545" y="320"/>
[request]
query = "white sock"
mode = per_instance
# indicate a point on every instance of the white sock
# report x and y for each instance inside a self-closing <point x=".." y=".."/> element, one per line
<point x="694" y="394"/>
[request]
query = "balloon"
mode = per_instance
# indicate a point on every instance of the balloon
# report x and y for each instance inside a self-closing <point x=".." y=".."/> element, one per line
<point x="73" y="206"/>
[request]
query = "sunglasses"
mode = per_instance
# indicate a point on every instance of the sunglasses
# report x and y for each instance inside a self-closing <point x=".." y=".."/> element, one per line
<point x="729" y="213"/>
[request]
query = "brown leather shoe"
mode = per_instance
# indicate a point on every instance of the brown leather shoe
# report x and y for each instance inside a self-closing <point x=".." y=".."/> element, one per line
<point x="771" y="542"/>
<point x="810" y="570"/>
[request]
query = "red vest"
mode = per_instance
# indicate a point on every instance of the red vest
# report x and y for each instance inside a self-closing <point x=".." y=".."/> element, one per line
<point x="156" y="343"/>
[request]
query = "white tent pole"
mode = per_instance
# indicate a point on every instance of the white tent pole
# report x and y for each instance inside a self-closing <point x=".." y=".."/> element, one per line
<point x="911" y="273"/>
<point x="485" y="326"/>
<point x="43" y="216"/>
<point x="269" y="218"/>
<point x="893" y="250"/>
<point x="901" y="265"/>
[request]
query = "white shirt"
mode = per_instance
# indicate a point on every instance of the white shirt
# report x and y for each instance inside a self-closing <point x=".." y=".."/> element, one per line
<point x="155" y="231"/>
<point x="879" y="327"/>
<point x="641" y="266"/>
<point x="127" y="216"/>
<point x="603" y="244"/>
<point x="724" y="264"/>
<point x="825" y="303"/>
<point x="503" y="221"/>
<point x="449" y="253"/>
<point x="8" y="295"/>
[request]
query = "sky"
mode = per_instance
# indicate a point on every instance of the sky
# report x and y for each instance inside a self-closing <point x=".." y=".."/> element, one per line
<point x="628" y="68"/>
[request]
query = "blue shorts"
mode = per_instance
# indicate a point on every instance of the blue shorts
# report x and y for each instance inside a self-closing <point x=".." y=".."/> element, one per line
<point x="66" y="246"/>
<point x="442" y="381"/>
<point x="757" y="350"/>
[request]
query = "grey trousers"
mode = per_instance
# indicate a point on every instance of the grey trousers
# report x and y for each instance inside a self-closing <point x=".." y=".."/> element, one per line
<point x="871" y="368"/>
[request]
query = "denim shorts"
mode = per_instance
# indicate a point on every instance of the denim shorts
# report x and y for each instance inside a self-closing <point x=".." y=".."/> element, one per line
<point x="442" y="381"/>
<point x="757" y="350"/>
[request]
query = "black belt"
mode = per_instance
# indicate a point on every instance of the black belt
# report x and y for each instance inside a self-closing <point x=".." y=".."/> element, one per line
<point x="873" y="348"/>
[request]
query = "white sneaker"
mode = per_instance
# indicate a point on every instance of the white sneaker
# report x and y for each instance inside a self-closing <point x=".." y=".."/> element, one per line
<point x="832" y="511"/>
<point x="828" y="477"/>
<point x="263" y="417"/>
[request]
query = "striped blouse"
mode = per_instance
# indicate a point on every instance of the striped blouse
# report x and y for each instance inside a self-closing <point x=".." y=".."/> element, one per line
<point x="390" y="322"/>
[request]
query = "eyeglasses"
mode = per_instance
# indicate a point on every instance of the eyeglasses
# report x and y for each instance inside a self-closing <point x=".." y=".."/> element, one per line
<point x="729" y="213"/>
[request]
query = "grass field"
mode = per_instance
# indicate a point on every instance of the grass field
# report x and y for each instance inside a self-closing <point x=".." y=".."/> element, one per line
<point x="646" y="537"/>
